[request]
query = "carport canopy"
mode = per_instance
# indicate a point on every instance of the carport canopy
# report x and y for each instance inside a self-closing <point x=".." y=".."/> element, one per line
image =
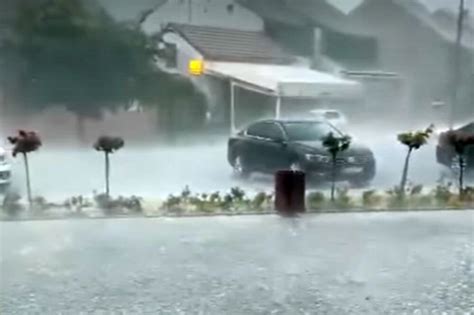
<point x="282" y="81"/>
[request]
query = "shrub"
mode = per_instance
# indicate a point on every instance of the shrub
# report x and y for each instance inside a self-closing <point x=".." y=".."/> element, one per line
<point x="262" y="201"/>
<point x="371" y="199"/>
<point x="119" y="205"/>
<point x="11" y="204"/>
<point x="442" y="194"/>
<point x="77" y="203"/>
<point x="343" y="200"/>
<point x="316" y="200"/>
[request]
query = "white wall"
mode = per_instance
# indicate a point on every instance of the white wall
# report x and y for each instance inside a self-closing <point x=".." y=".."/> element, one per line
<point x="203" y="12"/>
<point x="185" y="51"/>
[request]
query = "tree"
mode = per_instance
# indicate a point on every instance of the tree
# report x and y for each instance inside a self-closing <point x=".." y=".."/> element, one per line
<point x="413" y="141"/>
<point x="459" y="141"/>
<point x="108" y="145"/>
<point x="335" y="145"/>
<point x="26" y="142"/>
<point x="67" y="53"/>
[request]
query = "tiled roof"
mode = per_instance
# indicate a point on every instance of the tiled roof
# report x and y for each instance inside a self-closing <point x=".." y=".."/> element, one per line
<point x="223" y="44"/>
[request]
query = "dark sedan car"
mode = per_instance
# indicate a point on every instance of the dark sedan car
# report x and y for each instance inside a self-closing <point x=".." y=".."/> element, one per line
<point x="271" y="145"/>
<point x="445" y="154"/>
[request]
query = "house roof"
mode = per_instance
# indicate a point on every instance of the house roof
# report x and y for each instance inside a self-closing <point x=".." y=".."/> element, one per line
<point x="446" y="31"/>
<point x="307" y="12"/>
<point x="222" y="44"/>
<point x="276" y="11"/>
<point x="286" y="80"/>
<point x="326" y="15"/>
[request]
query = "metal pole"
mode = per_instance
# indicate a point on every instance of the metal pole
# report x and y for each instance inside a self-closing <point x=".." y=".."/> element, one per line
<point x="457" y="64"/>
<point x="278" y="107"/>
<point x="232" y="107"/>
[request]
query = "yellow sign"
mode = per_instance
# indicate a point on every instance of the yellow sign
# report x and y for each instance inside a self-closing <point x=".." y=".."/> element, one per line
<point x="196" y="67"/>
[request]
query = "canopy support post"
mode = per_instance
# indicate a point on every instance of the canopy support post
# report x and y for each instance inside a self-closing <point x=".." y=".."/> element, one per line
<point x="232" y="107"/>
<point x="278" y="107"/>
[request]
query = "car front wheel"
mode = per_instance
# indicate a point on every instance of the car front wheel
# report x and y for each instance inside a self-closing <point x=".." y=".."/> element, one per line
<point x="240" y="167"/>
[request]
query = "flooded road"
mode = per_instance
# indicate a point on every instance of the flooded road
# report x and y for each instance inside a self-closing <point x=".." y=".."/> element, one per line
<point x="156" y="171"/>
<point x="381" y="263"/>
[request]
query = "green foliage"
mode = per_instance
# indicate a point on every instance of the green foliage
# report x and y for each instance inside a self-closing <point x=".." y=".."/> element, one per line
<point x="119" y="205"/>
<point x="75" y="55"/>
<point x="334" y="145"/>
<point x="77" y="203"/>
<point x="343" y="199"/>
<point x="235" y="201"/>
<point x="316" y="201"/>
<point x="372" y="200"/>
<point x="415" y="139"/>
<point x="395" y="198"/>
<point x="108" y="144"/>
<point x="11" y="204"/>
<point x="442" y="194"/>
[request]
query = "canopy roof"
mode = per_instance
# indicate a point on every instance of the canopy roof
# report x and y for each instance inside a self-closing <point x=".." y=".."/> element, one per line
<point x="284" y="80"/>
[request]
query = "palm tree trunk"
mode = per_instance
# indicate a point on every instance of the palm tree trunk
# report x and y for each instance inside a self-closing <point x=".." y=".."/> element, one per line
<point x="461" y="176"/>
<point x="333" y="179"/>
<point x="28" y="182"/>
<point x="107" y="174"/>
<point x="405" y="172"/>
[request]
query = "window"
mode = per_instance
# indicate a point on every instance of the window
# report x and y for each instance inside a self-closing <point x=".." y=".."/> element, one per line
<point x="331" y="115"/>
<point x="265" y="130"/>
<point x="309" y="131"/>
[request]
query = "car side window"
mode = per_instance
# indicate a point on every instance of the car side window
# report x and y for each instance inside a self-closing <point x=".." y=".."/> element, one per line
<point x="266" y="130"/>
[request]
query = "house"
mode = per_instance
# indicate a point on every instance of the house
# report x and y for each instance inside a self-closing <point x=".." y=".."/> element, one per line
<point x="321" y="33"/>
<point x="247" y="75"/>
<point x="421" y="46"/>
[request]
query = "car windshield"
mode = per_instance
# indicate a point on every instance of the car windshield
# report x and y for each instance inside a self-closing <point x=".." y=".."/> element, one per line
<point x="331" y="115"/>
<point x="308" y="131"/>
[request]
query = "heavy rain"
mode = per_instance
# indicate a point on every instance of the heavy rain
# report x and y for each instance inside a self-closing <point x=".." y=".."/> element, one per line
<point x="140" y="174"/>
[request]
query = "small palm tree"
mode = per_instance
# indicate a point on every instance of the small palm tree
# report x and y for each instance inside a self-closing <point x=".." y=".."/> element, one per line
<point x="459" y="141"/>
<point x="335" y="145"/>
<point x="413" y="141"/>
<point x="108" y="145"/>
<point x="26" y="142"/>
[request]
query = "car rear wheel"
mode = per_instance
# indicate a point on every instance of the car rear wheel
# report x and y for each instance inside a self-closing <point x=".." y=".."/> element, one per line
<point x="240" y="167"/>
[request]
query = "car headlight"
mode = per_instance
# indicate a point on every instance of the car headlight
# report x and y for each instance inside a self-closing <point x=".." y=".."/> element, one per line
<point x="318" y="158"/>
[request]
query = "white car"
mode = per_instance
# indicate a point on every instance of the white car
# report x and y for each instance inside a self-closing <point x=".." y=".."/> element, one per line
<point x="5" y="169"/>
<point x="333" y="116"/>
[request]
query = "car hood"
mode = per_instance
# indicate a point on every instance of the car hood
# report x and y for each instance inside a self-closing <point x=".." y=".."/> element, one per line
<point x="317" y="147"/>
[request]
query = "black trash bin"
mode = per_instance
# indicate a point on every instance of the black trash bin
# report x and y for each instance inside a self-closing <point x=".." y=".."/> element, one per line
<point x="290" y="188"/>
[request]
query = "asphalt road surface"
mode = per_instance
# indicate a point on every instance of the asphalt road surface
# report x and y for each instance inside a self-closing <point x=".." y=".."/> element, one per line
<point x="157" y="171"/>
<point x="379" y="263"/>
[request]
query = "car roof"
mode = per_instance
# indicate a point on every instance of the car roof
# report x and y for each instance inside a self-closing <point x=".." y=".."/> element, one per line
<point x="322" y="111"/>
<point x="287" y="121"/>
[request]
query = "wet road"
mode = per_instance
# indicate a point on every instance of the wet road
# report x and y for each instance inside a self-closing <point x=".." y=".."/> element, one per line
<point x="157" y="171"/>
<point x="381" y="263"/>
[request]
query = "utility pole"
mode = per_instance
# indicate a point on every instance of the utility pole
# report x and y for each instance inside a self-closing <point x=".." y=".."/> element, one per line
<point x="457" y="64"/>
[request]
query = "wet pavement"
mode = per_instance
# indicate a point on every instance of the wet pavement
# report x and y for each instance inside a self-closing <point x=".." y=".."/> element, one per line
<point x="156" y="171"/>
<point x="379" y="263"/>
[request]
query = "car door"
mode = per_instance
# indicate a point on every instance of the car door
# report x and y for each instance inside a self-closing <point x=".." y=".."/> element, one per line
<point x="255" y="146"/>
<point x="273" y="147"/>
